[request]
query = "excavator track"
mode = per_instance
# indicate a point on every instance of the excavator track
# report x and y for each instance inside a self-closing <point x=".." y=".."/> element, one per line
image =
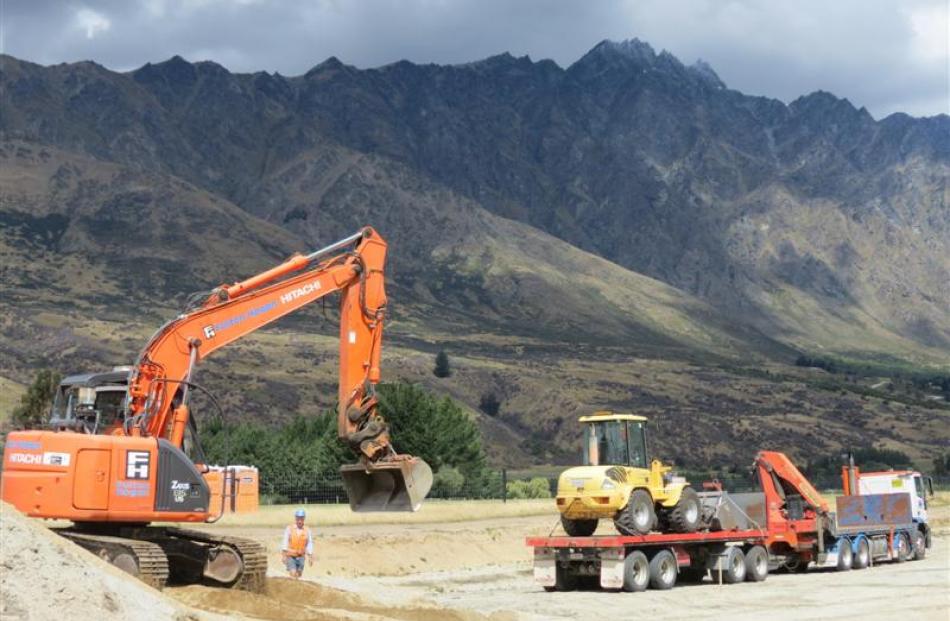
<point x="143" y="559"/>
<point x="252" y="553"/>
<point x="159" y="555"/>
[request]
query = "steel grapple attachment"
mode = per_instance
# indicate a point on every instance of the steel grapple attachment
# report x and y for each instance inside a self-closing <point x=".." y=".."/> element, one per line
<point x="397" y="485"/>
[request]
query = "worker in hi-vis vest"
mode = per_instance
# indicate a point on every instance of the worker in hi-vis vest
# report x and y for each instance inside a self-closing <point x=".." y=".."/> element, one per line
<point x="297" y="543"/>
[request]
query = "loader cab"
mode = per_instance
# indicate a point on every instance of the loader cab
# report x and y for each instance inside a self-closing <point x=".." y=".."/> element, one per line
<point x="89" y="403"/>
<point x="615" y="440"/>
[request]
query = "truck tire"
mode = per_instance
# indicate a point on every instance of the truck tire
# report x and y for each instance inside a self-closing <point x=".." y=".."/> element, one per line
<point x="756" y="564"/>
<point x="734" y="570"/>
<point x="663" y="570"/>
<point x="686" y="515"/>
<point x="578" y="528"/>
<point x="636" y="572"/>
<point x="637" y="517"/>
<point x="920" y="545"/>
<point x="902" y="547"/>
<point x="845" y="556"/>
<point x="862" y="554"/>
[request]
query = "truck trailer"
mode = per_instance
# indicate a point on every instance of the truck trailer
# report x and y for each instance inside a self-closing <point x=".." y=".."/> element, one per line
<point x="786" y="526"/>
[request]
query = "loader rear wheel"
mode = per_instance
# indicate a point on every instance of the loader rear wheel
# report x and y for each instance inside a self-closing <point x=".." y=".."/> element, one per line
<point x="636" y="572"/>
<point x="638" y="517"/>
<point x="578" y="528"/>
<point x="862" y="556"/>
<point x="686" y="515"/>
<point x="734" y="570"/>
<point x="845" y="556"/>
<point x="756" y="564"/>
<point x="920" y="546"/>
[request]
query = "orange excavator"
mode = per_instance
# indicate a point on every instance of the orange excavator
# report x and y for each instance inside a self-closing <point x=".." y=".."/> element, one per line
<point x="116" y="455"/>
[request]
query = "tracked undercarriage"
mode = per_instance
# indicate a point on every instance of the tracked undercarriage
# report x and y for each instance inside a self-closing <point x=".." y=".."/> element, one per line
<point x="159" y="555"/>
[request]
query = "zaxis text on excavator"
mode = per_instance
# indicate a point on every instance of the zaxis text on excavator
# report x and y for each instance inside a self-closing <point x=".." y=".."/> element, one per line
<point x="114" y="458"/>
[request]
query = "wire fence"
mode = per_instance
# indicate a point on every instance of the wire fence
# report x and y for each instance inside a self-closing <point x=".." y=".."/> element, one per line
<point x="499" y="485"/>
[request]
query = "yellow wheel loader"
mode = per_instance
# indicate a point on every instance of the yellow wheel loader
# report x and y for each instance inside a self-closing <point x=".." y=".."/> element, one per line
<point x="618" y="482"/>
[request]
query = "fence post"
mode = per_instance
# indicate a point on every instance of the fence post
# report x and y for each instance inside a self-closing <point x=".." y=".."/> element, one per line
<point x="504" y="485"/>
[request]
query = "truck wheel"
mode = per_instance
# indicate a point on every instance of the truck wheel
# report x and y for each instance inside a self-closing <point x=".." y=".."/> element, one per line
<point x="734" y="571"/>
<point x="920" y="545"/>
<point x="845" y="557"/>
<point x="637" y="517"/>
<point x="862" y="556"/>
<point x="902" y="547"/>
<point x="687" y="514"/>
<point x="663" y="570"/>
<point x="756" y="564"/>
<point x="578" y="528"/>
<point x="636" y="572"/>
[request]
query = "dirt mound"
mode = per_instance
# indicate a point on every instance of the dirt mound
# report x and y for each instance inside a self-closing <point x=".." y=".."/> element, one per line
<point x="300" y="600"/>
<point x="43" y="576"/>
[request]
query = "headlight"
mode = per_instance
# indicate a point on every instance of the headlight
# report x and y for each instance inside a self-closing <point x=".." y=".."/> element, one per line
<point x="607" y="485"/>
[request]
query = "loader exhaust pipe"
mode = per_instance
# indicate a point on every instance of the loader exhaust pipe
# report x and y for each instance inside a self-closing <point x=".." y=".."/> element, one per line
<point x="397" y="485"/>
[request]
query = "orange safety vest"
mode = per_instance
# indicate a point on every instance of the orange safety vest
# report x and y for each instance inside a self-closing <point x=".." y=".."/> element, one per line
<point x="297" y="541"/>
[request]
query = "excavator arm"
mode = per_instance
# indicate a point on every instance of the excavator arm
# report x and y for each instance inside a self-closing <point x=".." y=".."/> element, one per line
<point x="159" y="385"/>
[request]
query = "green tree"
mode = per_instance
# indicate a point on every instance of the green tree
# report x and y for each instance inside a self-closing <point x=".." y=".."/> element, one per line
<point x="307" y="449"/>
<point x="35" y="404"/>
<point x="448" y="481"/>
<point x="442" y="367"/>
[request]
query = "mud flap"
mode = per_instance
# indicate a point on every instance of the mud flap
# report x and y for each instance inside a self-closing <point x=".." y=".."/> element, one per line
<point x="387" y="486"/>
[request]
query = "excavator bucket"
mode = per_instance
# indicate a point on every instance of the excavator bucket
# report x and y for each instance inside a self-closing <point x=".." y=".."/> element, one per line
<point x="387" y="486"/>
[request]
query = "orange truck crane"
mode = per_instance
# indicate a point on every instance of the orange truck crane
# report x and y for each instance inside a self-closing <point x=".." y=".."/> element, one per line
<point x="114" y="465"/>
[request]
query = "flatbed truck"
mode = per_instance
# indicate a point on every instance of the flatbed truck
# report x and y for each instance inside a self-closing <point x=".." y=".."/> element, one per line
<point x="787" y="526"/>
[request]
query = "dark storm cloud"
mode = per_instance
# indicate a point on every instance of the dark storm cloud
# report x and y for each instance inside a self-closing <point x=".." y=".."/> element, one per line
<point x="888" y="55"/>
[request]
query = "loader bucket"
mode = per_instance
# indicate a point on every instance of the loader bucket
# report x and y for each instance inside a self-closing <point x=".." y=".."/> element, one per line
<point x="387" y="486"/>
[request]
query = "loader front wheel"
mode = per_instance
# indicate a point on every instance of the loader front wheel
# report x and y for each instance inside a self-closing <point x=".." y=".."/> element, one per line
<point x="638" y="517"/>
<point x="686" y="515"/>
<point x="578" y="528"/>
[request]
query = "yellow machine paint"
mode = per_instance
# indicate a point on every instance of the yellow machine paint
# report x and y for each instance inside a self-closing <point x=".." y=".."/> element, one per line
<point x="616" y="466"/>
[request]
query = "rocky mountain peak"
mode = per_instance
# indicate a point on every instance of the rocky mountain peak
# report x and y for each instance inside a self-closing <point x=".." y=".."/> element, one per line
<point x="705" y="72"/>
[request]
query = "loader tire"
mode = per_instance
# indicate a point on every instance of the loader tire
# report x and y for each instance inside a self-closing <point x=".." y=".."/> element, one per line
<point x="687" y="515"/>
<point x="578" y="528"/>
<point x="638" y="516"/>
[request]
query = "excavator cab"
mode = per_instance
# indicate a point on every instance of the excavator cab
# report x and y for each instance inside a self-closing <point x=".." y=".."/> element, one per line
<point x="398" y="485"/>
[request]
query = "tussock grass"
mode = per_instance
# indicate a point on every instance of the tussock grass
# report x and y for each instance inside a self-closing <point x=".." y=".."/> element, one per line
<point x="432" y="511"/>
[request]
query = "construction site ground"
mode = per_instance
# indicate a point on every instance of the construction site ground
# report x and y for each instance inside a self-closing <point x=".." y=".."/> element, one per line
<point x="455" y="568"/>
